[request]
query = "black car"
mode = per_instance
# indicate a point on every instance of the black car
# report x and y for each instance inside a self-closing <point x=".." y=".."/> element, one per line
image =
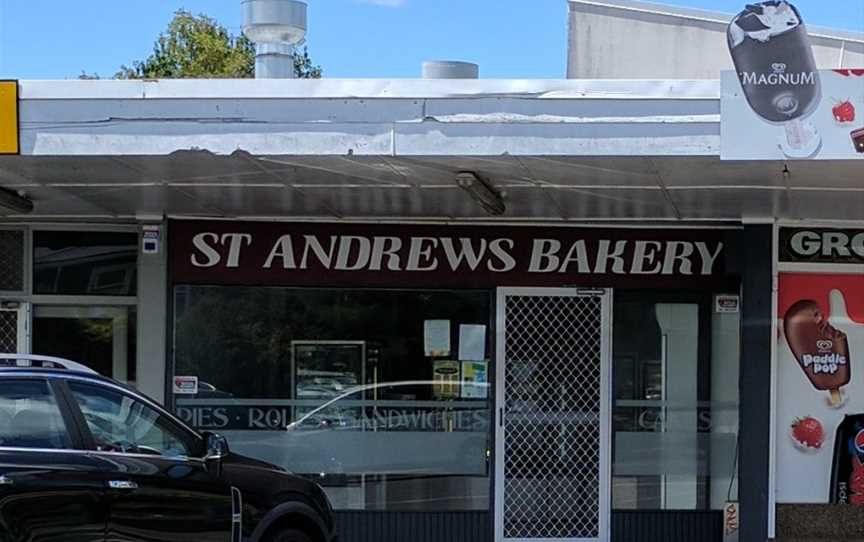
<point x="85" y="459"/>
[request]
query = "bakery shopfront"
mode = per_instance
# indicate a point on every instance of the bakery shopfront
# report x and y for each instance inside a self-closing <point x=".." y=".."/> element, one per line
<point x="569" y="366"/>
<point x="470" y="382"/>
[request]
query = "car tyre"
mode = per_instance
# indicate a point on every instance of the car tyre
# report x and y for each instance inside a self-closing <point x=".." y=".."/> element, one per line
<point x="289" y="535"/>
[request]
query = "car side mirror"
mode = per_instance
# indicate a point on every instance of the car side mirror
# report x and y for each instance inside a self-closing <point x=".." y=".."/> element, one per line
<point x="217" y="447"/>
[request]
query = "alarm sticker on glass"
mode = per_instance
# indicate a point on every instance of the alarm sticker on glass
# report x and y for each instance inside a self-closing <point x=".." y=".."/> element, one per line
<point x="185" y="385"/>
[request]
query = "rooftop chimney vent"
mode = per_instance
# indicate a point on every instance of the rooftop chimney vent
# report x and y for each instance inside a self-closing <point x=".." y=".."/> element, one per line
<point x="450" y="69"/>
<point x="276" y="27"/>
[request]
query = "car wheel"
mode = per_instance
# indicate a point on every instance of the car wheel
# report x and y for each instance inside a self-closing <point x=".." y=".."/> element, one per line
<point x="289" y="535"/>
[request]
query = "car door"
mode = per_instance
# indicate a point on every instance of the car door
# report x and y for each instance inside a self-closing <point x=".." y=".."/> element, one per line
<point x="50" y="489"/>
<point x="159" y="486"/>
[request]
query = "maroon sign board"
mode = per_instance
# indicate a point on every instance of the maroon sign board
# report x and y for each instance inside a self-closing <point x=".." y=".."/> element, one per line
<point x="429" y="256"/>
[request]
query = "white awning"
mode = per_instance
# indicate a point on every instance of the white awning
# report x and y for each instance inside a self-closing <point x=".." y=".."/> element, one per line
<point x="563" y="150"/>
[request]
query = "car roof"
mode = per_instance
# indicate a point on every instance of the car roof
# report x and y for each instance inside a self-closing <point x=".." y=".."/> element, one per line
<point x="52" y="372"/>
<point x="35" y="360"/>
<point x="65" y="374"/>
<point x="53" y="367"/>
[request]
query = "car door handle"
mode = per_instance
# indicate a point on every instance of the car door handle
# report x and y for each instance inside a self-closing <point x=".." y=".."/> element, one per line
<point x="6" y="481"/>
<point x="122" y="484"/>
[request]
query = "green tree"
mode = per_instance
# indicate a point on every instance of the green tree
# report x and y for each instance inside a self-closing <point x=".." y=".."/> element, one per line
<point x="196" y="46"/>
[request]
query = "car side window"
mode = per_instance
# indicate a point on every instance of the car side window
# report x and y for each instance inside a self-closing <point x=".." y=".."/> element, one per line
<point x="30" y="416"/>
<point x="121" y="423"/>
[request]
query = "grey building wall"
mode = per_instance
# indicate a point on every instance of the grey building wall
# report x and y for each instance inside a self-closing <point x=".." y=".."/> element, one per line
<point x="152" y="320"/>
<point x="623" y="39"/>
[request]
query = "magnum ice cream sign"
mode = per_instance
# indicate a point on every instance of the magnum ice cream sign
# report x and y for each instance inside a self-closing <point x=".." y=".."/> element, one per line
<point x="780" y="77"/>
<point x="775" y="65"/>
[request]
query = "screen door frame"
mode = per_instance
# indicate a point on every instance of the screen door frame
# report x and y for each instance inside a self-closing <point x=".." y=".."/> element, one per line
<point x="605" y="421"/>
<point x="22" y="325"/>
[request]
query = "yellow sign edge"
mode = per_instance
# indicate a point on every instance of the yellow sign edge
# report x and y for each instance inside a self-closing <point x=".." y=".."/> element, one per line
<point x="17" y="119"/>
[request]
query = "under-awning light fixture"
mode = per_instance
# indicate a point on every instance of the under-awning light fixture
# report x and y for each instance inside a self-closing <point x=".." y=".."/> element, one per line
<point x="482" y="192"/>
<point x="15" y="202"/>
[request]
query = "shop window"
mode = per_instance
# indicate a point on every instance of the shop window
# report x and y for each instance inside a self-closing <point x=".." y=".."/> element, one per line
<point x="11" y="260"/>
<point x="675" y="365"/>
<point x="103" y="338"/>
<point x="381" y="396"/>
<point x="84" y="263"/>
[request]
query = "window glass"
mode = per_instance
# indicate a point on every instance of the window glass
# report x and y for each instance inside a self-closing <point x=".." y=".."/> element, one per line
<point x="11" y="260"/>
<point x="675" y="365"/>
<point x="84" y="263"/>
<point x="101" y="337"/>
<point x="30" y="417"/>
<point x="384" y="392"/>
<point x="120" y="423"/>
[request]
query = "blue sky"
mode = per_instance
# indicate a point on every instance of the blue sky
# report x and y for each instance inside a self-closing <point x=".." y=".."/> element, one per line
<point x="57" y="39"/>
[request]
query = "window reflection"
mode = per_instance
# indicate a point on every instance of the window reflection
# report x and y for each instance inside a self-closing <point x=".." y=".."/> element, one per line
<point x="119" y="423"/>
<point x="30" y="416"/>
<point x="84" y="263"/>
<point x="675" y="367"/>
<point x="101" y="337"/>
<point x="337" y="385"/>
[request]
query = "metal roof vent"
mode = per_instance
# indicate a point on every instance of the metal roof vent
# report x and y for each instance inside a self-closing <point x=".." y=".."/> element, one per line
<point x="276" y="27"/>
<point x="450" y="69"/>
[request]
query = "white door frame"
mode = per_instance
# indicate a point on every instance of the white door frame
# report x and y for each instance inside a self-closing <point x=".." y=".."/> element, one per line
<point x="22" y="320"/>
<point x="605" y="404"/>
<point x="24" y="329"/>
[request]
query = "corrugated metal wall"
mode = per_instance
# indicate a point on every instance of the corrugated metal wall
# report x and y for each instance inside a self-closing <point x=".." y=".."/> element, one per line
<point x="635" y="526"/>
<point x="671" y="526"/>
<point x="414" y="526"/>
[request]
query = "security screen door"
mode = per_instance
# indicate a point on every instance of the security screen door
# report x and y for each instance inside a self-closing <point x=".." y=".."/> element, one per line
<point x="553" y="431"/>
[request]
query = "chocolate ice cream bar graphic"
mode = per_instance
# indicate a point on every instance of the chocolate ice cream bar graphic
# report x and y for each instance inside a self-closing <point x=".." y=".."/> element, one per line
<point x="822" y="351"/>
<point x="772" y="54"/>
<point x="858" y="139"/>
<point x="774" y="60"/>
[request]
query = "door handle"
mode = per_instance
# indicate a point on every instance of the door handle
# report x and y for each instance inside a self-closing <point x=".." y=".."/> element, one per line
<point x="122" y="484"/>
<point x="6" y="481"/>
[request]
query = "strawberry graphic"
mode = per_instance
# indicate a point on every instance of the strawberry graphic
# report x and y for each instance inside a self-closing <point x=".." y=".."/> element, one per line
<point x="848" y="73"/>
<point x="808" y="433"/>
<point x="844" y="112"/>
<point x="856" y="482"/>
